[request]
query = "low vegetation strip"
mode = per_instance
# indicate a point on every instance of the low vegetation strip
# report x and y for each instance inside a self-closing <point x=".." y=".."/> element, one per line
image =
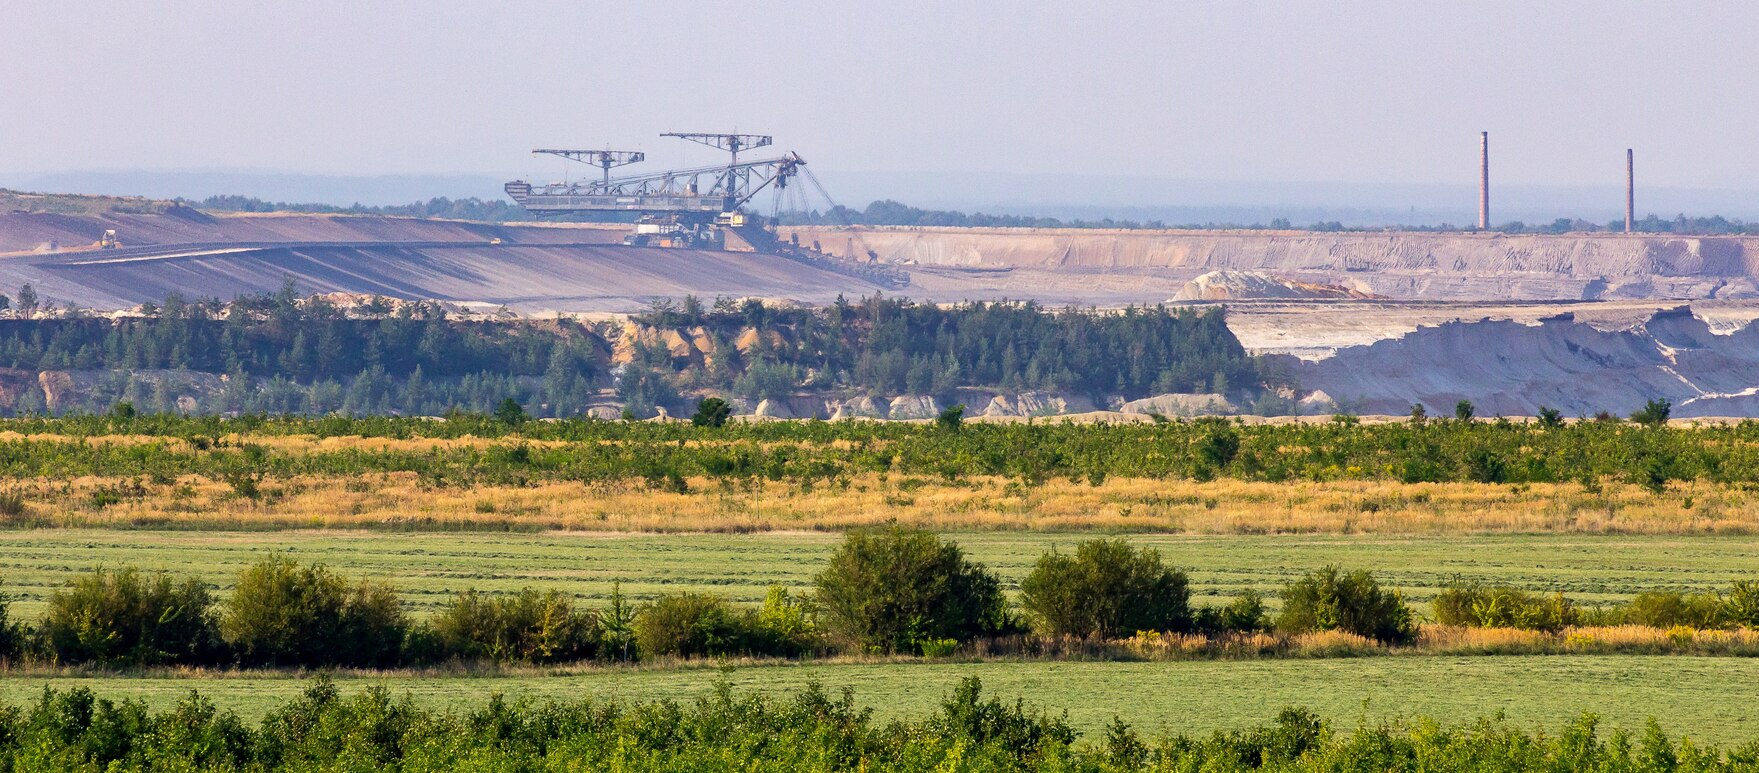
<point x="882" y="592"/>
<point x="408" y="502"/>
<point x="430" y="568"/>
<point x="809" y="730"/>
<point x="1708" y="698"/>
<point x="668" y="455"/>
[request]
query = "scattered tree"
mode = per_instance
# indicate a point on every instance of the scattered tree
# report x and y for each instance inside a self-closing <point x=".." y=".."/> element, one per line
<point x="712" y="412"/>
<point x="1106" y="589"/>
<point x="890" y="590"/>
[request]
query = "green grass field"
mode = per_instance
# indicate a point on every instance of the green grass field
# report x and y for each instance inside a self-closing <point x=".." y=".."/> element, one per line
<point x="429" y="566"/>
<point x="1709" y="699"/>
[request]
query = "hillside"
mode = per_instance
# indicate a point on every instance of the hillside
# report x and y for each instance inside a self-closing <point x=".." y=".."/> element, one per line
<point x="1511" y="368"/>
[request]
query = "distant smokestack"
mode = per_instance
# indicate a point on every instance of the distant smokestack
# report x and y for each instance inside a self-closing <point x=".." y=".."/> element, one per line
<point x="1630" y="191"/>
<point x="1484" y="181"/>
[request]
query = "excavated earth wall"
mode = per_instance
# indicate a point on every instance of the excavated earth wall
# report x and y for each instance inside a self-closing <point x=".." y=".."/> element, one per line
<point x="1512" y="368"/>
<point x="1388" y="264"/>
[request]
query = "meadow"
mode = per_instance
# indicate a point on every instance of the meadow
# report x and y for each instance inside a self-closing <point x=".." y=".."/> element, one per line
<point x="1708" y="699"/>
<point x="428" y="567"/>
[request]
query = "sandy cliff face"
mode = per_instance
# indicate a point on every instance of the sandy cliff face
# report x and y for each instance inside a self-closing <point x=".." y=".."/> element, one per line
<point x="1394" y="264"/>
<point x="1510" y="368"/>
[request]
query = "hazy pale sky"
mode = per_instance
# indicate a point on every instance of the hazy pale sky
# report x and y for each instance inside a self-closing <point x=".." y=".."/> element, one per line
<point x="1391" y="92"/>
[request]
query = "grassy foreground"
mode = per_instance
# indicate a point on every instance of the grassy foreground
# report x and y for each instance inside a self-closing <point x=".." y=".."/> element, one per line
<point x="429" y="567"/>
<point x="1709" y="699"/>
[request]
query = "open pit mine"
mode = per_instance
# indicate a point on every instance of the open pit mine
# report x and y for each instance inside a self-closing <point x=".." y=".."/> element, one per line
<point x="1369" y="322"/>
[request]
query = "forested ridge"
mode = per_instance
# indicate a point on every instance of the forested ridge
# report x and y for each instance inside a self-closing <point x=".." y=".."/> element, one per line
<point x="278" y="353"/>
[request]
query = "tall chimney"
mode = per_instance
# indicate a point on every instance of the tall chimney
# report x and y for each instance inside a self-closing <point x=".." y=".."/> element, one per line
<point x="1484" y="181"/>
<point x="1630" y="191"/>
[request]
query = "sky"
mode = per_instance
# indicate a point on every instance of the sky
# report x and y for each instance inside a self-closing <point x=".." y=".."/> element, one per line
<point x="1364" y="95"/>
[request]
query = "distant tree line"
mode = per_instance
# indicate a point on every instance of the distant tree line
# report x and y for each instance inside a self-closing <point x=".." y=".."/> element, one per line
<point x="279" y="353"/>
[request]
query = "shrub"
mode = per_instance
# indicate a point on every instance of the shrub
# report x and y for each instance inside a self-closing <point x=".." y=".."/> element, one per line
<point x="1331" y="599"/>
<point x="1666" y="609"/>
<point x="1245" y="614"/>
<point x="126" y="617"/>
<point x="1218" y="447"/>
<point x="686" y="624"/>
<point x="13" y="635"/>
<point x="1741" y="605"/>
<point x="951" y="418"/>
<point x="1550" y="418"/>
<point x="530" y="627"/>
<point x="12" y="506"/>
<point x="786" y="625"/>
<point x="1477" y="605"/>
<point x="712" y="412"/>
<point x="617" y="627"/>
<point x="1006" y="728"/>
<point x="940" y="648"/>
<point x="1106" y="589"/>
<point x="1654" y="413"/>
<point x="282" y="613"/>
<point x="888" y="590"/>
<point x="1463" y="410"/>
<point x="511" y="413"/>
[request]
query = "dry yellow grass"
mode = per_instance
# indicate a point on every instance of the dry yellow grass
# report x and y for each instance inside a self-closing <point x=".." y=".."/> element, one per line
<point x="400" y="500"/>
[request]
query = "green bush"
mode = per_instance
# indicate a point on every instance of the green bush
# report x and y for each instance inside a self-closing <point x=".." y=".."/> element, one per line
<point x="786" y="625"/>
<point x="687" y="624"/>
<point x="1245" y="614"/>
<point x="888" y="590"/>
<point x="1331" y="599"/>
<point x="1106" y="589"/>
<point x="284" y="614"/>
<point x="712" y="412"/>
<point x="951" y="418"/>
<point x="1741" y="605"/>
<point x="126" y="617"/>
<point x="1654" y="413"/>
<point x="1500" y="606"/>
<point x="1666" y="609"/>
<point x="530" y="627"/>
<point x="14" y="636"/>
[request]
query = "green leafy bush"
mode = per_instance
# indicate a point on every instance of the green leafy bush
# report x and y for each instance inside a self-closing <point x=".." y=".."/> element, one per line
<point x="1500" y="606"/>
<point x="786" y="625"/>
<point x="14" y="636"/>
<point x="126" y="617"/>
<point x="712" y="412"/>
<point x="1666" y="609"/>
<point x="283" y="613"/>
<point x="1106" y="589"/>
<point x="1741" y="605"/>
<point x="529" y="627"/>
<point x="889" y="590"/>
<point x="951" y="418"/>
<point x="1245" y="614"/>
<point x="1550" y="418"/>
<point x="687" y="624"/>
<point x="1332" y="599"/>
<point x="1654" y="413"/>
